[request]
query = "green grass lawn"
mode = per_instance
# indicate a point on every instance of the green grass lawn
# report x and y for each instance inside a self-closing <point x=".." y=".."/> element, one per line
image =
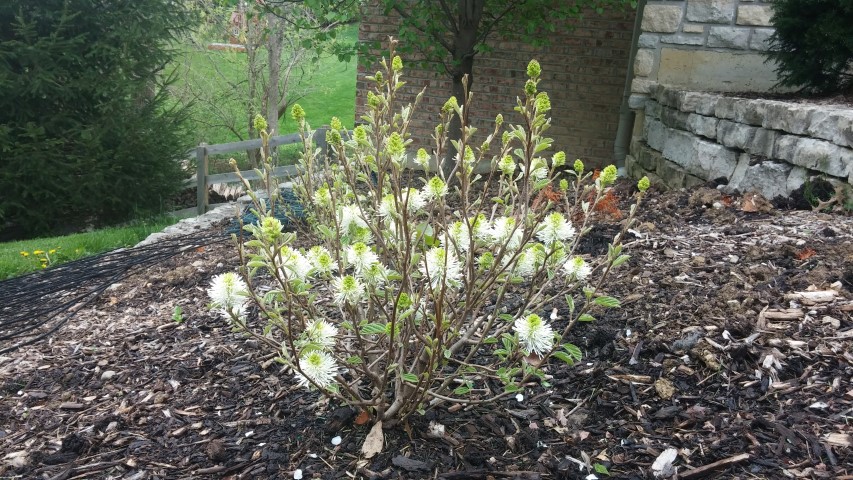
<point x="325" y="90"/>
<point x="21" y="257"/>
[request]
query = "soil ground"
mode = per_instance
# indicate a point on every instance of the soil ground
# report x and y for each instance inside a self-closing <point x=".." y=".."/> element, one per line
<point x="713" y="357"/>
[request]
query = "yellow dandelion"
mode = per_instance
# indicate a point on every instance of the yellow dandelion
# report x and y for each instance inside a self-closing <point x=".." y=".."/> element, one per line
<point x="25" y="254"/>
<point x="38" y="252"/>
<point x="52" y="251"/>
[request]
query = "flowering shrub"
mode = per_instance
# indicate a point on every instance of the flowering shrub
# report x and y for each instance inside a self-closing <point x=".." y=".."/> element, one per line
<point x="459" y="288"/>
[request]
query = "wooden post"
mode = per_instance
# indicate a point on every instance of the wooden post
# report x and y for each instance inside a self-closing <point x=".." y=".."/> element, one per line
<point x="320" y="140"/>
<point x="201" y="178"/>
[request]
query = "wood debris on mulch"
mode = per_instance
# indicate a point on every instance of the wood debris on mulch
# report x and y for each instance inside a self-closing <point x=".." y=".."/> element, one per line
<point x="731" y="357"/>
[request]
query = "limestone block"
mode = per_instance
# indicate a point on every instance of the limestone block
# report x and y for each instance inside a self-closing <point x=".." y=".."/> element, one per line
<point x="661" y="18"/>
<point x="648" y="40"/>
<point x="644" y="62"/>
<point x="633" y="168"/>
<point x="760" y="39"/>
<point x="770" y="179"/>
<point x="743" y="163"/>
<point x="702" y="125"/>
<point x="699" y="157"/>
<point x="683" y="39"/>
<point x="796" y="179"/>
<point x="637" y="102"/>
<point x="725" y="108"/>
<point x="788" y="117"/>
<point x="698" y="102"/>
<point x="758" y="15"/>
<point x="666" y="96"/>
<point x="671" y="174"/>
<point x="728" y="71"/>
<point x="692" y="28"/>
<point x="729" y="37"/>
<point x="653" y="109"/>
<point x="763" y="142"/>
<point x="835" y="125"/>
<point x="711" y="11"/>
<point x="815" y="154"/>
<point x="656" y="134"/>
<point x="641" y="85"/>
<point x="673" y="118"/>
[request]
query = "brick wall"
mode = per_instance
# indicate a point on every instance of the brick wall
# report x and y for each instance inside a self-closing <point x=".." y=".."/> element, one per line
<point x="583" y="72"/>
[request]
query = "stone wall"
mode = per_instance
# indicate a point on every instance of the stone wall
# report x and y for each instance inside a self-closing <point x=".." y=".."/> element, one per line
<point x="772" y="147"/>
<point x="583" y="72"/>
<point x="705" y="45"/>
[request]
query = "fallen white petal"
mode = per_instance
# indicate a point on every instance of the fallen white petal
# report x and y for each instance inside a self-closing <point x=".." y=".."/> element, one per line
<point x="297" y="474"/>
<point x="336" y="440"/>
<point x="519" y="398"/>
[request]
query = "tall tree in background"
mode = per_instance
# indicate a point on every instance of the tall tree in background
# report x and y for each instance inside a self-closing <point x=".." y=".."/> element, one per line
<point x="87" y="131"/>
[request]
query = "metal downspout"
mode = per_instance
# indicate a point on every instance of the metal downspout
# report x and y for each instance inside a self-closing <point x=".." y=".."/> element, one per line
<point x="626" y="115"/>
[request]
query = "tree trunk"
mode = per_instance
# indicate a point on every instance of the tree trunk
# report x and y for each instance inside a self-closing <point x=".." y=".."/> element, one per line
<point x="464" y="42"/>
<point x="273" y="94"/>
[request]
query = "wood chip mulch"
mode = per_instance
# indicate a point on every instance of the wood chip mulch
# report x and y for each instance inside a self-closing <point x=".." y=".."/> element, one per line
<point x="730" y="358"/>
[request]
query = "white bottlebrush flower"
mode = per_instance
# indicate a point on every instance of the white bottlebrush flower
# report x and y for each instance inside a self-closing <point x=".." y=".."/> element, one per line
<point x="350" y="215"/>
<point x="387" y="206"/>
<point x="321" y="259"/>
<point x="441" y="268"/>
<point x="376" y="274"/>
<point x="526" y="263"/>
<point x="413" y="199"/>
<point x="555" y="228"/>
<point x="457" y="236"/>
<point x="318" y="366"/>
<point x="504" y="231"/>
<point x="577" y="268"/>
<point x="294" y="264"/>
<point x="228" y="291"/>
<point x="361" y="257"/>
<point x="348" y="290"/>
<point x="322" y="333"/>
<point x="534" y="334"/>
<point x="434" y="189"/>
<point x="422" y="159"/>
<point x="507" y="165"/>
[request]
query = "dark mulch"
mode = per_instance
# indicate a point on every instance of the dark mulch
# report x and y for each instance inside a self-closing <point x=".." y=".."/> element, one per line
<point x="713" y="353"/>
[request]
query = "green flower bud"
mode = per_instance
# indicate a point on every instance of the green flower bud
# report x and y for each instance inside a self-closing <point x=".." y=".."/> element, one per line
<point x="579" y="167"/>
<point x="397" y="64"/>
<point x="533" y="69"/>
<point x="360" y="135"/>
<point x="271" y="228"/>
<point x="333" y="137"/>
<point x="507" y="165"/>
<point x="564" y="185"/>
<point x="336" y="123"/>
<point x="505" y="138"/>
<point x="643" y="184"/>
<point x="422" y="158"/>
<point x="499" y="120"/>
<point x="543" y="103"/>
<point x="608" y="175"/>
<point x="260" y="123"/>
<point x="450" y="105"/>
<point x="373" y="101"/>
<point x="530" y="88"/>
<point x="559" y="159"/>
<point x="395" y="144"/>
<point x="486" y="260"/>
<point x="404" y="302"/>
<point x="379" y="77"/>
<point x="468" y="158"/>
<point x="297" y="112"/>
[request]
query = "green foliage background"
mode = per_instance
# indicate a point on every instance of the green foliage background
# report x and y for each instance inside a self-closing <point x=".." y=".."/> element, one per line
<point x="813" y="44"/>
<point x="87" y="136"/>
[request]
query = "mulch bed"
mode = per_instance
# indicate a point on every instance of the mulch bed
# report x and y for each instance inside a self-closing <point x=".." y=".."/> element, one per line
<point x="732" y="348"/>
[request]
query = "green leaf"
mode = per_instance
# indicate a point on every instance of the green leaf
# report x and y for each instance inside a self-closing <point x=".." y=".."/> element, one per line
<point x="409" y="377"/>
<point x="490" y="340"/>
<point x="599" y="468"/>
<point x="586" y="318"/>
<point x="573" y="351"/>
<point x="354" y="360"/>
<point x="570" y="302"/>
<point x="462" y="390"/>
<point x="608" y="302"/>
<point x="564" y="357"/>
<point x="373" y="329"/>
<point x="620" y="260"/>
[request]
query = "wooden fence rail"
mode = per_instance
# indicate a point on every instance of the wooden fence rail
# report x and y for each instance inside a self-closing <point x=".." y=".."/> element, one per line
<point x="203" y="152"/>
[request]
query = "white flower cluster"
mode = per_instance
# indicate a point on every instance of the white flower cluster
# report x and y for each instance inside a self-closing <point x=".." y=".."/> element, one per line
<point x="228" y="294"/>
